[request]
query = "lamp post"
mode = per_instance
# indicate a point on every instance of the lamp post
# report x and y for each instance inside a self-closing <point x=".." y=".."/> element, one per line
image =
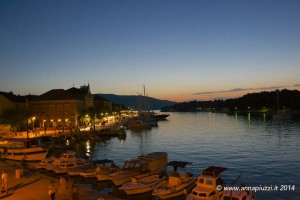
<point x="27" y="142"/>
<point x="33" y="123"/>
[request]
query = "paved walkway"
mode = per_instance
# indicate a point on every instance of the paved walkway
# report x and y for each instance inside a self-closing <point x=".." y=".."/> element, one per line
<point x="34" y="186"/>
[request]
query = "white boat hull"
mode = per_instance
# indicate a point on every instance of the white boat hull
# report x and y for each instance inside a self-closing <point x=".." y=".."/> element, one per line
<point x="24" y="154"/>
<point x="142" y="185"/>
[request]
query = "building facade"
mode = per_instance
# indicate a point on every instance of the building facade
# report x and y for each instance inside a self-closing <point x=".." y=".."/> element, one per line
<point x="57" y="108"/>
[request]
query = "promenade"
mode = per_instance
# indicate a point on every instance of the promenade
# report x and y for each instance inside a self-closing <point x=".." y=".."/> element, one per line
<point x="57" y="132"/>
<point x="34" y="186"/>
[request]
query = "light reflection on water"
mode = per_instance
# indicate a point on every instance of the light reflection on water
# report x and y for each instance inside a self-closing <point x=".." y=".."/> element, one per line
<point x="266" y="151"/>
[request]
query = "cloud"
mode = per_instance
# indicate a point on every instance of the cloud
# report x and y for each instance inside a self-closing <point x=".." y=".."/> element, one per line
<point x="240" y="89"/>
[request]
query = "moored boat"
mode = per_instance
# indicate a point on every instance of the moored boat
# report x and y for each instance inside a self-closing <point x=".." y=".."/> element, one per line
<point x="66" y="166"/>
<point x="137" y="123"/>
<point x="238" y="194"/>
<point x="67" y="156"/>
<point x="77" y="170"/>
<point x="102" y="169"/>
<point x="17" y="150"/>
<point x="138" y="186"/>
<point x="177" y="184"/>
<point x="43" y="163"/>
<point x="24" y="154"/>
<point x="143" y="166"/>
<point x="209" y="185"/>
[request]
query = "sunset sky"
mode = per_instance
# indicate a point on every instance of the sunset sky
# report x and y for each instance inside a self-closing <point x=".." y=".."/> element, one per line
<point x="180" y="50"/>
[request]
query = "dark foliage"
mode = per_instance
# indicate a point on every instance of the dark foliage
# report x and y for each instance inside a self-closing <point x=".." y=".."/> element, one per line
<point x="274" y="100"/>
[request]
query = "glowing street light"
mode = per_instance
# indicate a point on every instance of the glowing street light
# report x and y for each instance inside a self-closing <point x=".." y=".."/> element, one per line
<point x="33" y="118"/>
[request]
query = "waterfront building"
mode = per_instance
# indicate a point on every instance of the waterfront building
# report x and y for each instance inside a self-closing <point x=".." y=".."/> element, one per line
<point x="9" y="100"/>
<point x="57" y="108"/>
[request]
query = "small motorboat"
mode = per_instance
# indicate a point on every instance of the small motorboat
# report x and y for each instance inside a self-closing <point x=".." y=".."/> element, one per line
<point x="68" y="156"/>
<point x="138" y="186"/>
<point x="101" y="170"/>
<point x="177" y="184"/>
<point x="65" y="166"/>
<point x="143" y="166"/>
<point x="43" y="163"/>
<point x="209" y="185"/>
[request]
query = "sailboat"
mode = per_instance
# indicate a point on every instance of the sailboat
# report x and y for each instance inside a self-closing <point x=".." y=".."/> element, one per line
<point x="144" y="108"/>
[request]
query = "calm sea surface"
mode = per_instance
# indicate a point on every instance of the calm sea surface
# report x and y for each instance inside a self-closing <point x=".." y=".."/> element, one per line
<point x="266" y="151"/>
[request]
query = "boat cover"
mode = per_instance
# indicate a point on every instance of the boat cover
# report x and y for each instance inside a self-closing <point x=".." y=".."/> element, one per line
<point x="213" y="171"/>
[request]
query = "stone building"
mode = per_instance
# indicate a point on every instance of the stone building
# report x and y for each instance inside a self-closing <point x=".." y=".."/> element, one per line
<point x="61" y="108"/>
<point x="57" y="108"/>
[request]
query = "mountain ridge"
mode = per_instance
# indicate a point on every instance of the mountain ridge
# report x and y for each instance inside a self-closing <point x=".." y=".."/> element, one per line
<point x="132" y="101"/>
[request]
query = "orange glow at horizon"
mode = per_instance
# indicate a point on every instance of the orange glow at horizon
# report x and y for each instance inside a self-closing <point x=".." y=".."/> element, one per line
<point x="216" y="95"/>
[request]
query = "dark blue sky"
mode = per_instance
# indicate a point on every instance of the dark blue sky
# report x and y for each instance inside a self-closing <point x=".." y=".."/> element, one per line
<point x="180" y="50"/>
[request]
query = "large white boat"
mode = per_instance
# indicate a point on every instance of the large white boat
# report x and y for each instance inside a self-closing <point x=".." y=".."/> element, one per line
<point x="138" y="186"/>
<point x="143" y="166"/>
<point x="21" y="150"/>
<point x="177" y="184"/>
<point x="209" y="185"/>
<point x="23" y="154"/>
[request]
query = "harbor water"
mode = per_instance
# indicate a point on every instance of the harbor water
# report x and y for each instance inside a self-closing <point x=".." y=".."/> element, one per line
<point x="265" y="151"/>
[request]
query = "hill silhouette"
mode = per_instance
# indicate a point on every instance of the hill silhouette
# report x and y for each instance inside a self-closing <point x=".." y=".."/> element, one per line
<point x="263" y="101"/>
<point x="132" y="101"/>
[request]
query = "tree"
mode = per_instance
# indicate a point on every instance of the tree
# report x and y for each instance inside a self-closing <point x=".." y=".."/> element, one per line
<point x="14" y="117"/>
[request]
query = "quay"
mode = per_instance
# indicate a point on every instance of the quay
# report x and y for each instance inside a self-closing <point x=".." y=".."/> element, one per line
<point x="58" y="132"/>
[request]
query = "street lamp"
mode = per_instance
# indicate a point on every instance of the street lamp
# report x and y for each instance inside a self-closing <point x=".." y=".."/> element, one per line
<point x="33" y="118"/>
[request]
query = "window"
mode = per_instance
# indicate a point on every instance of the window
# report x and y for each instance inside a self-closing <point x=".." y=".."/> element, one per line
<point x="201" y="180"/>
<point x="209" y="182"/>
<point x="202" y="194"/>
